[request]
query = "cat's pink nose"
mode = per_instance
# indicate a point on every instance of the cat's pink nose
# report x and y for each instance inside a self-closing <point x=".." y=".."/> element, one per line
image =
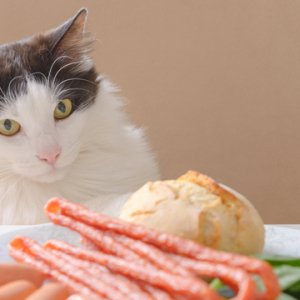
<point x="49" y="156"/>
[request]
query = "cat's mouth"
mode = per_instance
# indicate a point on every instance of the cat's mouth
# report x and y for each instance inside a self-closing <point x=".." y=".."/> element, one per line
<point x="52" y="175"/>
<point x="43" y="172"/>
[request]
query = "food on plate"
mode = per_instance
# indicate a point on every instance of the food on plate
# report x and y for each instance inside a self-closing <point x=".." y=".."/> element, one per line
<point x="17" y="290"/>
<point x="78" y="297"/>
<point x="51" y="291"/>
<point x="128" y="261"/>
<point x="196" y="207"/>
<point x="119" y="282"/>
<point x="18" y="251"/>
<point x="188" y="286"/>
<point x="16" y="271"/>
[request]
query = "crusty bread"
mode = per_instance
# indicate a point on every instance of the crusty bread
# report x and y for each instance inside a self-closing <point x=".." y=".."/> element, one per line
<point x="196" y="207"/>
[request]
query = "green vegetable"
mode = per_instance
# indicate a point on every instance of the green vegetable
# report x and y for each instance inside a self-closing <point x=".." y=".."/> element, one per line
<point x="224" y="290"/>
<point x="284" y="296"/>
<point x="287" y="270"/>
<point x="288" y="276"/>
<point x="216" y="284"/>
<point x="277" y="260"/>
<point x="295" y="288"/>
<point x="259" y="284"/>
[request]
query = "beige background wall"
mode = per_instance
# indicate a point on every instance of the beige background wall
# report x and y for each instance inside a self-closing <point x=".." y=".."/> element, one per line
<point x="216" y="83"/>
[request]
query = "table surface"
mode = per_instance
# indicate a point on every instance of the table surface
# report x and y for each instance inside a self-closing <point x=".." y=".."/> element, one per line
<point x="5" y="228"/>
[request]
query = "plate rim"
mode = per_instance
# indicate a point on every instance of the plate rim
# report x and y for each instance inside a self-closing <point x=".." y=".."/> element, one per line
<point x="20" y="231"/>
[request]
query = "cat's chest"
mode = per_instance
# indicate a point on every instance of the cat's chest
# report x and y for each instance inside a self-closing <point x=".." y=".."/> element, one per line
<point x="22" y="201"/>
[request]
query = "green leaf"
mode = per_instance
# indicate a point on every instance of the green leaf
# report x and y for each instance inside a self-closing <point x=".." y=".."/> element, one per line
<point x="259" y="283"/>
<point x="284" y="296"/>
<point x="276" y="260"/>
<point x="288" y="276"/>
<point x="294" y="290"/>
<point x="295" y="287"/>
<point x="216" y="284"/>
<point x="224" y="290"/>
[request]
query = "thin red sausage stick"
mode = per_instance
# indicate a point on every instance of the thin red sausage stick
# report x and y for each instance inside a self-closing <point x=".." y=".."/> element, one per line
<point x="188" y="286"/>
<point x="88" y="244"/>
<point x="246" y="288"/>
<point x="159" y="295"/>
<point x="91" y="246"/>
<point x="21" y="255"/>
<point x="142" y="286"/>
<point x="104" y="242"/>
<point x="153" y="254"/>
<point x="109" y="245"/>
<point x="98" y="272"/>
<point x="155" y="291"/>
<point x="172" y="243"/>
<point x="232" y="276"/>
<point x="236" y="278"/>
<point x="79" y="274"/>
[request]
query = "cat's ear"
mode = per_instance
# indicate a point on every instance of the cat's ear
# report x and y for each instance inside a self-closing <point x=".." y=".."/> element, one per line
<point x="68" y="39"/>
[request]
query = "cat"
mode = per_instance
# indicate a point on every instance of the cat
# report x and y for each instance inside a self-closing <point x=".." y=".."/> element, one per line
<point x="62" y="129"/>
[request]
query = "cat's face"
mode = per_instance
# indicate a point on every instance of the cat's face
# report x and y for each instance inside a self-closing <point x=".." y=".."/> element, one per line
<point x="47" y="87"/>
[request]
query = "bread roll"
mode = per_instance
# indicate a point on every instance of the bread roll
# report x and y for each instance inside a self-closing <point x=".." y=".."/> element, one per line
<point x="195" y="207"/>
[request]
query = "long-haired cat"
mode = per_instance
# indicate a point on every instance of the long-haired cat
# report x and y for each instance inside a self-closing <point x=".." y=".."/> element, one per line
<point x="63" y="132"/>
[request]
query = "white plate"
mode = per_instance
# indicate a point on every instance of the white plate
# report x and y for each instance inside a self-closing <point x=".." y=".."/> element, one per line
<point x="282" y="241"/>
<point x="41" y="233"/>
<point x="279" y="240"/>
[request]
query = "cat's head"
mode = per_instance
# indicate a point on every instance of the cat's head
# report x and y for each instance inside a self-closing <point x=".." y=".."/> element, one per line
<point x="47" y="84"/>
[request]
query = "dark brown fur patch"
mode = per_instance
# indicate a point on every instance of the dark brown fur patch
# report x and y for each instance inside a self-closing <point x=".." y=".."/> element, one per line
<point x="43" y="57"/>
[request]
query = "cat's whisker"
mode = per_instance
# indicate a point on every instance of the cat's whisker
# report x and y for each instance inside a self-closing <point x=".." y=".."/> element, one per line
<point x="58" y="92"/>
<point x="67" y="65"/>
<point x="38" y="73"/>
<point x="8" y="89"/>
<point x="89" y="141"/>
<point x="96" y="147"/>
<point x="71" y="79"/>
<point x="86" y="103"/>
<point x="64" y="91"/>
<point x="83" y="190"/>
<point x="85" y="144"/>
<point x="12" y="187"/>
<point x="87" y="136"/>
<point x="2" y="91"/>
<point x="3" y="171"/>
<point x="5" y="178"/>
<point x="4" y="96"/>
<point x="61" y="57"/>
<point x="92" y="181"/>
<point x="91" y="148"/>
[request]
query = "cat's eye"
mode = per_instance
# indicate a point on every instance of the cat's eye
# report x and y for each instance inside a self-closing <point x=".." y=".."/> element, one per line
<point x="63" y="109"/>
<point x="9" y="127"/>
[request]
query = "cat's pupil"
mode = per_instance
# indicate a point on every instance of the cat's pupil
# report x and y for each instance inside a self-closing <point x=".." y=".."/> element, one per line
<point x="61" y="107"/>
<point x="7" y="124"/>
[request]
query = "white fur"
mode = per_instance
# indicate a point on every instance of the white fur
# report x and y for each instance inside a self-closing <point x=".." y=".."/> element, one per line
<point x="103" y="159"/>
